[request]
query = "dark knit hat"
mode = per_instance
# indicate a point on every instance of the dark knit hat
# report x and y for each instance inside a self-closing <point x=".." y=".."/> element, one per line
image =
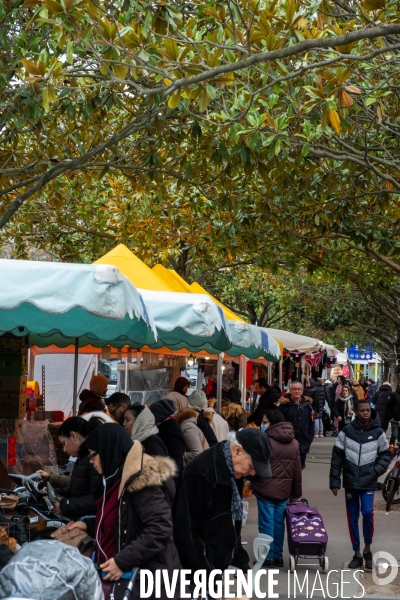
<point x="258" y="446"/>
<point x="162" y="409"/>
<point x="234" y="395"/>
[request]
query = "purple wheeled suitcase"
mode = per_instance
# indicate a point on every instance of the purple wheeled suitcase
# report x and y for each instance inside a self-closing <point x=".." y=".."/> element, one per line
<point x="307" y="536"/>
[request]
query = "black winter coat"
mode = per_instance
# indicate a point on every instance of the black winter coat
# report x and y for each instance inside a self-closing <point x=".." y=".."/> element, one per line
<point x="204" y="426"/>
<point x="362" y="453"/>
<point x="394" y="405"/>
<point x="285" y="464"/>
<point x="144" y="521"/>
<point x="205" y="534"/>
<point x="330" y="394"/>
<point x="318" y="395"/>
<point x="154" y="446"/>
<point x="171" y="434"/>
<point x="77" y="499"/>
<point x="381" y="401"/>
<point x="302" y="418"/>
<point x="341" y="408"/>
<point x="266" y="402"/>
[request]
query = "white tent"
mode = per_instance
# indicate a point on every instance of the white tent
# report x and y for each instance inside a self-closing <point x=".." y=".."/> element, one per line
<point x="293" y="341"/>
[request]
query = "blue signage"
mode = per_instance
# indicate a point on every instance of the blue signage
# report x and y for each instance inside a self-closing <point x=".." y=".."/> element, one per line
<point x="355" y="354"/>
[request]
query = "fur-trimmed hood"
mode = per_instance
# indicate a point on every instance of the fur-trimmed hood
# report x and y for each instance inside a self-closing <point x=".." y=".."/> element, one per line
<point x="231" y="410"/>
<point x="185" y="414"/>
<point x="141" y="470"/>
<point x="193" y="413"/>
<point x="288" y="398"/>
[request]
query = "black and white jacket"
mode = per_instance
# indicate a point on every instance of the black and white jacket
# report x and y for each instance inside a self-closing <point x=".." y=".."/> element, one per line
<point x="362" y="453"/>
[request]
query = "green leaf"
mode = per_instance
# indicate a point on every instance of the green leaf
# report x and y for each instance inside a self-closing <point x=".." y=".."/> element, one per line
<point x="212" y="92"/>
<point x="306" y="149"/>
<point x="204" y="100"/>
<point x="70" y="53"/>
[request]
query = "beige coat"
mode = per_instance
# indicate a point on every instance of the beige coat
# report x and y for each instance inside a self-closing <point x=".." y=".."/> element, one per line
<point x="219" y="425"/>
<point x="178" y="399"/>
<point x="194" y="438"/>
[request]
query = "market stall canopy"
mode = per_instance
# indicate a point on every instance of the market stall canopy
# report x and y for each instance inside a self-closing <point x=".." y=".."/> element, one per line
<point x="169" y="315"/>
<point x="191" y="321"/>
<point x="293" y="341"/>
<point x="229" y="314"/>
<point x="182" y="320"/>
<point x="56" y="303"/>
<point x="246" y="339"/>
<point x="253" y="342"/>
<point x="330" y="350"/>
<point x="134" y="269"/>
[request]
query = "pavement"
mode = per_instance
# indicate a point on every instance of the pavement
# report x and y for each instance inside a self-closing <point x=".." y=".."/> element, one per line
<point x="339" y="549"/>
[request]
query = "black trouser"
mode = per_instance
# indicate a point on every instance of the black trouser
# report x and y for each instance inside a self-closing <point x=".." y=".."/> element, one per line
<point x="303" y="456"/>
<point x="395" y="433"/>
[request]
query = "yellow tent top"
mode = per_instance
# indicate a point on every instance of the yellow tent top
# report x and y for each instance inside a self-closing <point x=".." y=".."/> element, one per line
<point x="174" y="281"/>
<point x="178" y="284"/>
<point x="229" y="314"/>
<point x="134" y="269"/>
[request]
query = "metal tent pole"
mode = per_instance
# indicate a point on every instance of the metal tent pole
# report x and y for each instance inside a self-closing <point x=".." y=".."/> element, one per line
<point x="242" y="378"/>
<point x="75" y="392"/>
<point x="280" y="375"/>
<point x="126" y="376"/>
<point x="219" y="380"/>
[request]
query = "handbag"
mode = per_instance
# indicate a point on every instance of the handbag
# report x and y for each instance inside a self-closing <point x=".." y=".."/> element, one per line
<point x="77" y="538"/>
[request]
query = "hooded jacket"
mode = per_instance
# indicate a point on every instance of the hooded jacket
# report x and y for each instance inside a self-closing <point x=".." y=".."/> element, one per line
<point x="144" y="521"/>
<point x="394" y="405"/>
<point x="266" y="402"/>
<point x="205" y="534"/>
<point x="285" y="464"/>
<point x="318" y="395"/>
<point x="381" y="401"/>
<point x="194" y="438"/>
<point x="77" y="499"/>
<point x="168" y="430"/>
<point x="171" y="434"/>
<point x="301" y="416"/>
<point x="362" y="453"/>
<point x="234" y="414"/>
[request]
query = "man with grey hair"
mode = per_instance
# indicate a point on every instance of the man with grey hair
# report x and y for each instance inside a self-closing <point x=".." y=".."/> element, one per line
<point x="208" y="508"/>
<point x="297" y="410"/>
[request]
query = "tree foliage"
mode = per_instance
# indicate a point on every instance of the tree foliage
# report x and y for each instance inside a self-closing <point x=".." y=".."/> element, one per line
<point x="270" y="104"/>
<point x="212" y="134"/>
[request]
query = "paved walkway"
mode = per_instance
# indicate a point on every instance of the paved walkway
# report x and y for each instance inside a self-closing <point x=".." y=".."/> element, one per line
<point x="339" y="550"/>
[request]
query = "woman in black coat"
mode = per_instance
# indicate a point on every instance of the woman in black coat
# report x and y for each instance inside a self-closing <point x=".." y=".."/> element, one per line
<point x="133" y="525"/>
<point x="344" y="407"/>
<point x="78" y="488"/>
<point x="168" y="430"/>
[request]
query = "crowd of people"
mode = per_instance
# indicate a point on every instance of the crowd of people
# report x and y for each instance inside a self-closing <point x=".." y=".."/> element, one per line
<point x="161" y="486"/>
